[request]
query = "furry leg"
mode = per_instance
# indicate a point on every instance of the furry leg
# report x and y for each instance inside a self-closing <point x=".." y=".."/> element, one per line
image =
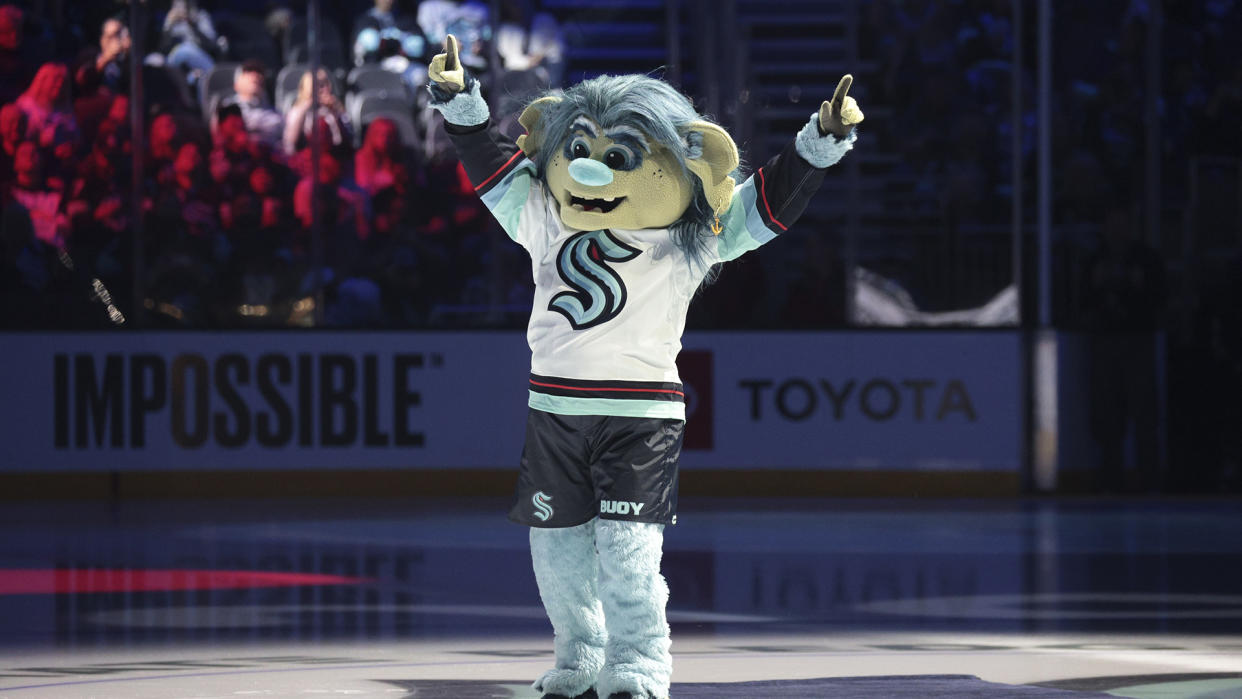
<point x="566" y="568"/>
<point x="637" y="659"/>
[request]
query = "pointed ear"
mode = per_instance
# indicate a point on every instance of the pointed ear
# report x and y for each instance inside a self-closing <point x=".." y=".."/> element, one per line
<point x="529" y="141"/>
<point x="714" y="165"/>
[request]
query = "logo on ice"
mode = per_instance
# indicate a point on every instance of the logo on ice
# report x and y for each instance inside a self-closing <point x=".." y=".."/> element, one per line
<point x="543" y="510"/>
<point x="620" y="507"/>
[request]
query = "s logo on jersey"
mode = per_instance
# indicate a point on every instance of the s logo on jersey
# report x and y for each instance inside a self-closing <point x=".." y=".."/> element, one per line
<point x="543" y="507"/>
<point x="598" y="293"/>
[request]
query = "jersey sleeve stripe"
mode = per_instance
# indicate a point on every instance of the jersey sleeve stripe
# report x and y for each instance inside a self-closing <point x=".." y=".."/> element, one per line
<point x="744" y="225"/>
<point x="503" y="169"/>
<point x="763" y="194"/>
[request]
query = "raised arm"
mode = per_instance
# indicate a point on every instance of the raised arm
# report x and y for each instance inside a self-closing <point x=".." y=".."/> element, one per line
<point x="501" y="174"/>
<point x="776" y="194"/>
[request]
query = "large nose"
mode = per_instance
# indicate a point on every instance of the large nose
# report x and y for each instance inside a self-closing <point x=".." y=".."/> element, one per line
<point x="591" y="173"/>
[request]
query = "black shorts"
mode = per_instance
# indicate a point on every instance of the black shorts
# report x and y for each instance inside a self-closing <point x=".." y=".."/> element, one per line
<point x="576" y="467"/>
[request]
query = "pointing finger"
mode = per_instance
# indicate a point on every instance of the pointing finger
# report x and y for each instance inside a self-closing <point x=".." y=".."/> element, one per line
<point x="450" y="51"/>
<point x="838" y="97"/>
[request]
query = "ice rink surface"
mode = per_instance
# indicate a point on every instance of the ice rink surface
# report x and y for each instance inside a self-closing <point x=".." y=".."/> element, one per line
<point x="788" y="598"/>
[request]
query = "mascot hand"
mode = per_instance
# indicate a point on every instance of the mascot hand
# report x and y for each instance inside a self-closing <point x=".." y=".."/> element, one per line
<point x="445" y="69"/>
<point x="839" y="115"/>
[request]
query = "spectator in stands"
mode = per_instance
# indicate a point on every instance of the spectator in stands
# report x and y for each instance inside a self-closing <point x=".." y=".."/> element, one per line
<point x="189" y="39"/>
<point x="233" y="164"/>
<point x="95" y="185"/>
<point x="434" y="18"/>
<point x="111" y="143"/>
<point x="16" y="69"/>
<point x="164" y="141"/>
<point x="539" y="48"/>
<point x="472" y="26"/>
<point x="12" y="133"/>
<point x="31" y="192"/>
<point x="232" y="156"/>
<point x="530" y="62"/>
<point x="187" y="198"/>
<point x="265" y="184"/>
<point x="46" y="104"/>
<point x="259" y="206"/>
<point x="105" y="67"/>
<point x="1125" y="283"/>
<point x="380" y="162"/>
<point x="263" y="123"/>
<point x="189" y="172"/>
<point x="380" y="33"/>
<point x="340" y="210"/>
<point x="300" y="122"/>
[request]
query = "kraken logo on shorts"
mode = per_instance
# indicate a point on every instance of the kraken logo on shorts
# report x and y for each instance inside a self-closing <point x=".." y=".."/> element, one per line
<point x="542" y="509"/>
<point x="598" y="293"/>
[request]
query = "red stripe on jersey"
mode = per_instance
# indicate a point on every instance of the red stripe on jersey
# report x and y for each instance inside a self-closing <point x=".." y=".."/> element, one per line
<point x="763" y="194"/>
<point x="483" y="184"/>
<point x="626" y="390"/>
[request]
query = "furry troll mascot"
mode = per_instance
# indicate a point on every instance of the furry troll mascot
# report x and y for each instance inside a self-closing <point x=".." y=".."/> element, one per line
<point x="625" y="199"/>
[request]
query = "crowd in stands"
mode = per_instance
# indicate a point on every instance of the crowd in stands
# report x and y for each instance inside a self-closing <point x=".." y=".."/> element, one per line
<point x="945" y="68"/>
<point x="234" y="207"/>
<point x="230" y="197"/>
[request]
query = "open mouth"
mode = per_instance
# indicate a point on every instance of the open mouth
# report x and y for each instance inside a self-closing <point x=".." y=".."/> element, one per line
<point x="601" y="206"/>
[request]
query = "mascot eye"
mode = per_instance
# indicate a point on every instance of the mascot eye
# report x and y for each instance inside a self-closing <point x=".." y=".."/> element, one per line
<point x="579" y="149"/>
<point x="620" y="158"/>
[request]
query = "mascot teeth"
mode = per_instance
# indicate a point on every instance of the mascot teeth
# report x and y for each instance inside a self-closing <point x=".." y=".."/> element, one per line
<point x="595" y="205"/>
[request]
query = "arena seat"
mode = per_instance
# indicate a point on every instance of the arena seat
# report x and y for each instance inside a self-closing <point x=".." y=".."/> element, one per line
<point x="405" y="126"/>
<point x="372" y="102"/>
<point x="287" y="83"/>
<point x="217" y="82"/>
<point x="373" y="77"/>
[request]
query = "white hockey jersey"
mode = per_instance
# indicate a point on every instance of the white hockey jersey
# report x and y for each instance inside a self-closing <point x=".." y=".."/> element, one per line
<point x="610" y="305"/>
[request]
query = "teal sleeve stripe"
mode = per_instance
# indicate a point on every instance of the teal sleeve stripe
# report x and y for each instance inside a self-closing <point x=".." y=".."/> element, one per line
<point x="744" y="229"/>
<point x="561" y="405"/>
<point x="508" y="197"/>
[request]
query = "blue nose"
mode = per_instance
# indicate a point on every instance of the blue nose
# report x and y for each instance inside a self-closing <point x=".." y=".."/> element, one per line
<point x="591" y="173"/>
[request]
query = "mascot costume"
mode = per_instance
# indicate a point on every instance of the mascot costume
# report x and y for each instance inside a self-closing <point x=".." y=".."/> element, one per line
<point x="625" y="199"/>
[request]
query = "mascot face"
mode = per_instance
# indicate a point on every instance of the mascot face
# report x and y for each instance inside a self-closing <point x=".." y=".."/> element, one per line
<point x="616" y="178"/>
<point x="629" y="152"/>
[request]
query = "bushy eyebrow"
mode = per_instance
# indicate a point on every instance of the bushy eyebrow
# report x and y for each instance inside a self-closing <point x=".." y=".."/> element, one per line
<point x="586" y="125"/>
<point x="629" y="136"/>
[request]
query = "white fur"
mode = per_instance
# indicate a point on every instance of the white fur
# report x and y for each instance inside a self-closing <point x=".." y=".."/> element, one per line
<point x="566" y="568"/>
<point x="822" y="151"/>
<point x="466" y="108"/>
<point x="634" y="594"/>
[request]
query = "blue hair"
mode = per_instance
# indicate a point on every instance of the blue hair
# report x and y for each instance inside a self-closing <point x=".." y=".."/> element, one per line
<point x="659" y="111"/>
